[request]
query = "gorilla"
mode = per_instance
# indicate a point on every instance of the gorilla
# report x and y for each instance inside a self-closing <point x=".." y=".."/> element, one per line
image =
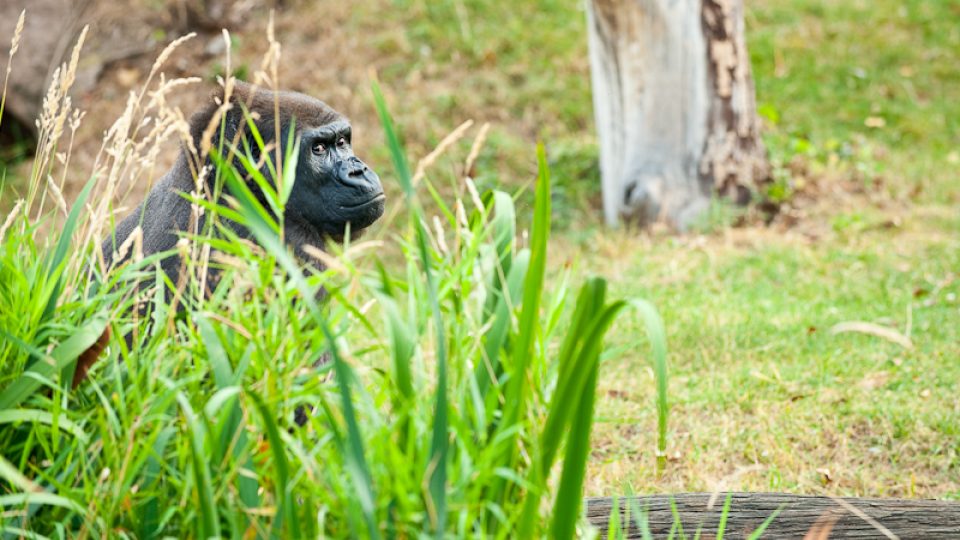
<point x="333" y="190"/>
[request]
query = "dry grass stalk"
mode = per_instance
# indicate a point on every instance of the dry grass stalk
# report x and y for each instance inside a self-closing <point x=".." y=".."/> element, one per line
<point x="57" y="195"/>
<point x="441" y="236"/>
<point x="269" y="76"/>
<point x="338" y="264"/>
<point x="328" y="261"/>
<point x="475" y="149"/>
<point x="57" y="108"/>
<point x="474" y="194"/>
<point x="131" y="147"/>
<point x="822" y="528"/>
<point x="10" y="218"/>
<point x="135" y="239"/>
<point x="882" y="332"/>
<point x="432" y="157"/>
<point x="860" y="514"/>
<point x="14" y="45"/>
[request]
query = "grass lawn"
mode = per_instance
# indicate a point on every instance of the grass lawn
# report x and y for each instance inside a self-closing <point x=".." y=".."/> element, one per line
<point x="764" y="396"/>
<point x="857" y="94"/>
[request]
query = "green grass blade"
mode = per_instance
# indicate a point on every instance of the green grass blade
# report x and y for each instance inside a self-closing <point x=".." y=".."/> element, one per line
<point x="393" y="143"/>
<point x="722" y="526"/>
<point x="216" y="354"/>
<point x="64" y="243"/>
<point x="575" y="361"/>
<point x="504" y="232"/>
<point x="570" y="380"/>
<point x="254" y="210"/>
<point x="44" y="368"/>
<point x="209" y="521"/>
<point x="641" y="519"/>
<point x="437" y="465"/>
<point x="496" y="337"/>
<point x="532" y="288"/>
<point x="150" y="512"/>
<point x="677" y="527"/>
<point x="529" y="314"/>
<point x="291" y="155"/>
<point x="613" y="520"/>
<point x="17" y="500"/>
<point x="402" y="345"/>
<point x="63" y="423"/>
<point x="658" y="342"/>
<point x="17" y="479"/>
<point x="356" y="460"/>
<point x="766" y="523"/>
<point x="566" y="508"/>
<point x="285" y="506"/>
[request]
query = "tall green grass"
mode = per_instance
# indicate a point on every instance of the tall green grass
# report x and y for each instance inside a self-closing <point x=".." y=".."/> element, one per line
<point x="457" y="402"/>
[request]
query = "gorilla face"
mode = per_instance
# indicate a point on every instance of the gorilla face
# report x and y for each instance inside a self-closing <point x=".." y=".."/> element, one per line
<point x="333" y="187"/>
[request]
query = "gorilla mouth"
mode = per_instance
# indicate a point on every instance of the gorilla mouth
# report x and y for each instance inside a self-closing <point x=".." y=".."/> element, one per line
<point x="374" y="199"/>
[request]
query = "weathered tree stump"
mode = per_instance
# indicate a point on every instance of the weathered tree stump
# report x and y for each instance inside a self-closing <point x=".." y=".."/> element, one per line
<point x="675" y="108"/>
<point x="800" y="516"/>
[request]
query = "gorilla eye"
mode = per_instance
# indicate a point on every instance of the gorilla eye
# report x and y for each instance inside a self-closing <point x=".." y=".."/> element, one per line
<point x="319" y="149"/>
<point x="341" y="142"/>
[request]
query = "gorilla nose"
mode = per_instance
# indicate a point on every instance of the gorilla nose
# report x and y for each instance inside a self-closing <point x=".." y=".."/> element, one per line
<point x="354" y="172"/>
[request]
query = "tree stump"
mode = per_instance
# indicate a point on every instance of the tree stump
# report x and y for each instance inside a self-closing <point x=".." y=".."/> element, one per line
<point x="675" y="108"/>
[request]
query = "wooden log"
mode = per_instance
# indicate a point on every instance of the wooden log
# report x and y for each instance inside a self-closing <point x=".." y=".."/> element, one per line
<point x="799" y="516"/>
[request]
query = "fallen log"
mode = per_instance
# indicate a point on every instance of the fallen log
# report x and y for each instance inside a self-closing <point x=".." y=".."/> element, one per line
<point x="797" y="516"/>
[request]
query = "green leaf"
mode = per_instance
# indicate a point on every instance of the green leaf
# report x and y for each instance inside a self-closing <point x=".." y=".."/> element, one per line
<point x="722" y="526"/>
<point x="766" y="523"/>
<point x="63" y="244"/>
<point x="209" y="521"/>
<point x="437" y="464"/>
<point x="17" y="500"/>
<point x="516" y="399"/>
<point x="658" y="343"/>
<point x="44" y="368"/>
<point x="10" y="416"/>
<point x="13" y="475"/>
<point x="285" y="506"/>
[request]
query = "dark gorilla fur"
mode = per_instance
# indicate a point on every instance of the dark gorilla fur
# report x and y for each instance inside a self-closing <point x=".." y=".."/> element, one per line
<point x="333" y="190"/>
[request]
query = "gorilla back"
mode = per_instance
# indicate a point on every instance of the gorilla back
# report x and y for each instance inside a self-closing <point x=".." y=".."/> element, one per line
<point x="333" y="191"/>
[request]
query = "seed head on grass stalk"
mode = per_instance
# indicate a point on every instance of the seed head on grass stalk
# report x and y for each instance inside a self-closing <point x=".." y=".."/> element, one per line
<point x="14" y="45"/>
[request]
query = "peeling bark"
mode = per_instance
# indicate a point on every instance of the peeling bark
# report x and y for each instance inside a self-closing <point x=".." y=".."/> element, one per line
<point x="675" y="108"/>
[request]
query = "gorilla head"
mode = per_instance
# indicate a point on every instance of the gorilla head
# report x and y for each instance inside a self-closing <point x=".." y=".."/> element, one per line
<point x="332" y="187"/>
